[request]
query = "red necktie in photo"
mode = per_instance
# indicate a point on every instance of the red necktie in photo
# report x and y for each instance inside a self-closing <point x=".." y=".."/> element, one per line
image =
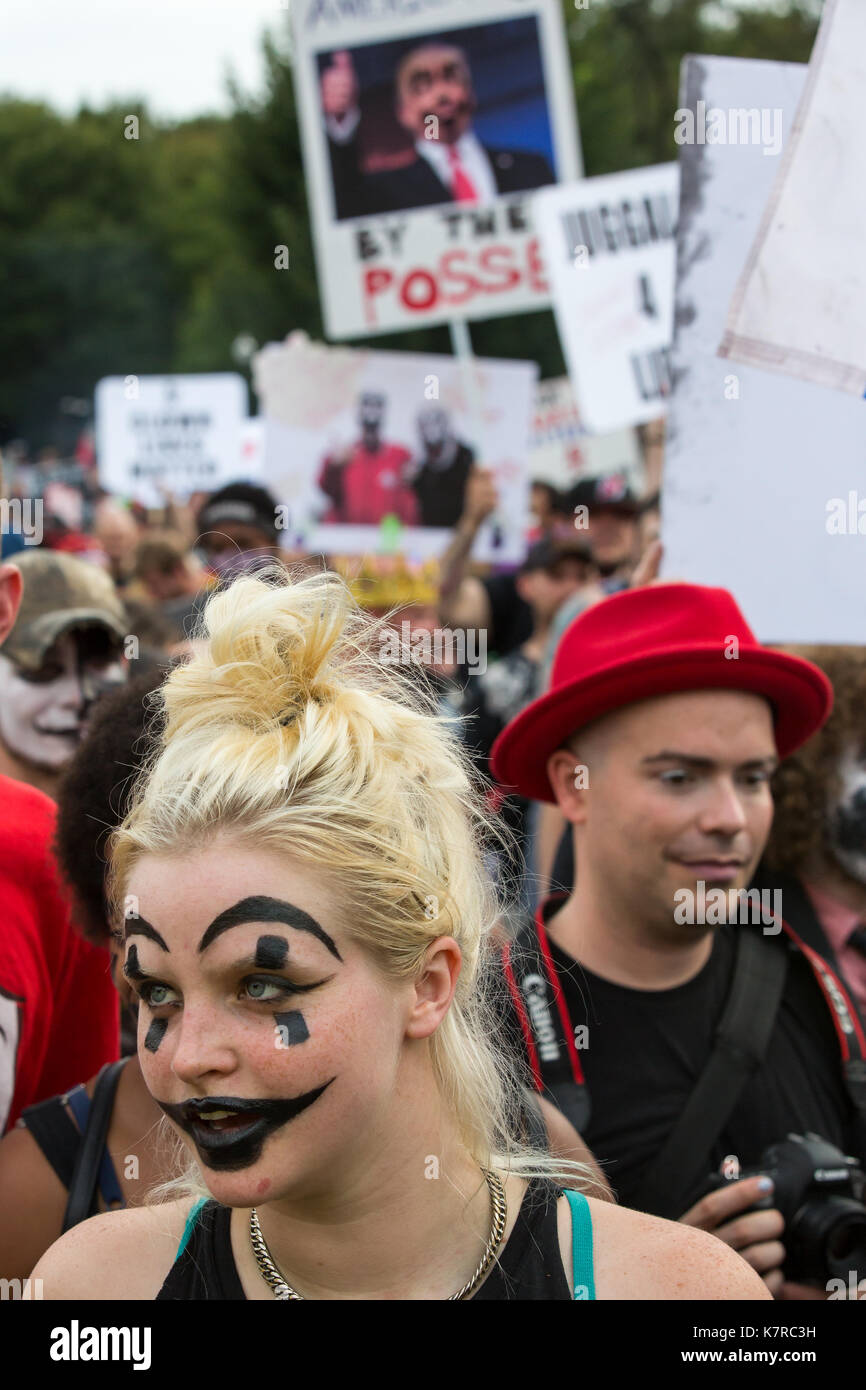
<point x="462" y="187"/>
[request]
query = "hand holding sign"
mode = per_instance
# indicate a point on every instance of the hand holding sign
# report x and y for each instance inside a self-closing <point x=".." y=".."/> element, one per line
<point x="481" y="497"/>
<point x="339" y="87"/>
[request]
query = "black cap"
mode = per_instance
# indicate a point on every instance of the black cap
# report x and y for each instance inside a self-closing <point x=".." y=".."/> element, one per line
<point x="609" y="492"/>
<point x="244" y="503"/>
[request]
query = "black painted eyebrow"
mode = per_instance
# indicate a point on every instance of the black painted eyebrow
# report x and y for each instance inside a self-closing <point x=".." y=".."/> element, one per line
<point x="137" y="926"/>
<point x="264" y="909"/>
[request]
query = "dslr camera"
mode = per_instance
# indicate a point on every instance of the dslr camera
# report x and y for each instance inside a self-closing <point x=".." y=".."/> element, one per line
<point x="820" y="1192"/>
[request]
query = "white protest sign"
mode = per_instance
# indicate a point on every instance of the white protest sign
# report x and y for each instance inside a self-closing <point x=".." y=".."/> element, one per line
<point x="426" y="126"/>
<point x="252" y="449"/>
<point x="609" y="249"/>
<point x="800" y="304"/>
<point x="370" y="451"/>
<point x="178" y="433"/>
<point x="560" y="449"/>
<point x="759" y="467"/>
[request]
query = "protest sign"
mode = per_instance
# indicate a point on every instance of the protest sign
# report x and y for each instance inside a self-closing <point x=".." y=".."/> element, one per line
<point x="177" y="434"/>
<point x="759" y="467"/>
<point x="608" y="246"/>
<point x="560" y="449"/>
<point x="425" y="128"/>
<point x="811" y="236"/>
<point x="370" y="451"/>
<point x="252" y="449"/>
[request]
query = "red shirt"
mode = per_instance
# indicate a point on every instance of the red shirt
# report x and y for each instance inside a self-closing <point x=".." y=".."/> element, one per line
<point x="373" y="486"/>
<point x="59" y="1012"/>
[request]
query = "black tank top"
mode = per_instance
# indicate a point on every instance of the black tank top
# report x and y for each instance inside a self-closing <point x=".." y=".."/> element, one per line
<point x="529" y="1267"/>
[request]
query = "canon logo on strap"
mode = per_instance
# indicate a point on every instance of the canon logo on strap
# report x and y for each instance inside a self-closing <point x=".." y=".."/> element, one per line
<point x="836" y="999"/>
<point x="535" y="989"/>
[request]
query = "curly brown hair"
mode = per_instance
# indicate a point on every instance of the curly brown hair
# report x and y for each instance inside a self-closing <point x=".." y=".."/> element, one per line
<point x="808" y="782"/>
<point x="94" y="794"/>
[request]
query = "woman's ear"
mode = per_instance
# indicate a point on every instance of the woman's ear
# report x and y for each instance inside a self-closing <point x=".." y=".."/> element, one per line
<point x="435" y="986"/>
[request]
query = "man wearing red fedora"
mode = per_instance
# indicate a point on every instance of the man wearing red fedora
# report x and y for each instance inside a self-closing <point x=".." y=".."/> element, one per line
<point x="681" y="1025"/>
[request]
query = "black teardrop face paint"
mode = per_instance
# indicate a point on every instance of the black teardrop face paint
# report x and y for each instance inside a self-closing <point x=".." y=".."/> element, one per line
<point x="293" y="1028"/>
<point x="229" y="1132"/>
<point x="155" y="1033"/>
<point x="271" y="952"/>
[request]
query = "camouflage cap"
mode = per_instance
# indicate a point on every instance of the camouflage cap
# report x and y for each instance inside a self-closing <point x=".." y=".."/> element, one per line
<point x="60" y="593"/>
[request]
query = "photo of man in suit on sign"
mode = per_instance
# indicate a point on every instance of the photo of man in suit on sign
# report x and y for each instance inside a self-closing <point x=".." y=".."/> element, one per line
<point x="435" y="105"/>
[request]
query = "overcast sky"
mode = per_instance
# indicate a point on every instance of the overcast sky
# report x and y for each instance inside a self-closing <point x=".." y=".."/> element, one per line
<point x="174" y="53"/>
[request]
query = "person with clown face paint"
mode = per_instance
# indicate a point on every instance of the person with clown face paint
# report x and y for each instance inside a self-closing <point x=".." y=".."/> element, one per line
<point x="306" y="920"/>
<point x="65" y="650"/>
<point x="816" y="852"/>
<point x="58" y="1007"/>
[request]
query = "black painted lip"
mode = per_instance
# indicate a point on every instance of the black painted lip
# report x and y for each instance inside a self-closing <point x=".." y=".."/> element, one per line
<point x="264" y="1116"/>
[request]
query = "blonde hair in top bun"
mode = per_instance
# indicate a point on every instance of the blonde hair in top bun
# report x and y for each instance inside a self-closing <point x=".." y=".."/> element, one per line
<point x="289" y="730"/>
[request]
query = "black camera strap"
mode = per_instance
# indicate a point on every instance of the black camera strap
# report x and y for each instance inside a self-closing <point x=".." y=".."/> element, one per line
<point x="741" y="1042"/>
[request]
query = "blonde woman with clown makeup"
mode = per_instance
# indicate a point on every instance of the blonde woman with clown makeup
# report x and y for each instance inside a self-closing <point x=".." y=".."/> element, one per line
<point x="306" y="922"/>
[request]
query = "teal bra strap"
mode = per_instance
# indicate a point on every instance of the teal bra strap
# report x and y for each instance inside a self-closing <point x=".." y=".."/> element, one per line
<point x="190" y="1222"/>
<point x="583" y="1283"/>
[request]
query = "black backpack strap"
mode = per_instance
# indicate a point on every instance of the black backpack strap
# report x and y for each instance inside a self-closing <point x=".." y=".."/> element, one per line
<point x="742" y="1037"/>
<point x="82" y="1188"/>
<point x="545" y="1023"/>
<point x="56" y="1133"/>
<point x="804" y="928"/>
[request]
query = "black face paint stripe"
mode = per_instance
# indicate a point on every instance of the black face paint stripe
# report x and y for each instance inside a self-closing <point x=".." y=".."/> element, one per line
<point x="155" y="1034"/>
<point x="271" y="952"/>
<point x="137" y="926"/>
<point x="293" y="1028"/>
<point x="131" y="968"/>
<point x="264" y="909"/>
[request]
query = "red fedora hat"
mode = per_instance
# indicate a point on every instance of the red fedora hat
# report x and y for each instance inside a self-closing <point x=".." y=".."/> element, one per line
<point x="657" y="640"/>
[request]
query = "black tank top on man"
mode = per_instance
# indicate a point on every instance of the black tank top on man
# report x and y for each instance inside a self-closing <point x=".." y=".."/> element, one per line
<point x="529" y="1266"/>
<point x="647" y="1048"/>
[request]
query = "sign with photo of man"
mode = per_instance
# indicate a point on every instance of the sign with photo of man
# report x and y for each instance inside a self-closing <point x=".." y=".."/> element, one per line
<point x="360" y="446"/>
<point x="424" y="134"/>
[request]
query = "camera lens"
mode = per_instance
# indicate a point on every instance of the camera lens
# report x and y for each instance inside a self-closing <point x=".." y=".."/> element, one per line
<point x="828" y="1239"/>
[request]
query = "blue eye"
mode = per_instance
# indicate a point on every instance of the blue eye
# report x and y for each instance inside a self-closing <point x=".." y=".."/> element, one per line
<point x="257" y="989"/>
<point x="155" y="995"/>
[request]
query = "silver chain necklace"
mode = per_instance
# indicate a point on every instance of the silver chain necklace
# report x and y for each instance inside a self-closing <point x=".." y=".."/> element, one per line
<point x="282" y="1289"/>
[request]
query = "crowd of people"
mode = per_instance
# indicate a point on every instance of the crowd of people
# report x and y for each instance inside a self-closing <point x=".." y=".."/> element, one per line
<point x="526" y="965"/>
